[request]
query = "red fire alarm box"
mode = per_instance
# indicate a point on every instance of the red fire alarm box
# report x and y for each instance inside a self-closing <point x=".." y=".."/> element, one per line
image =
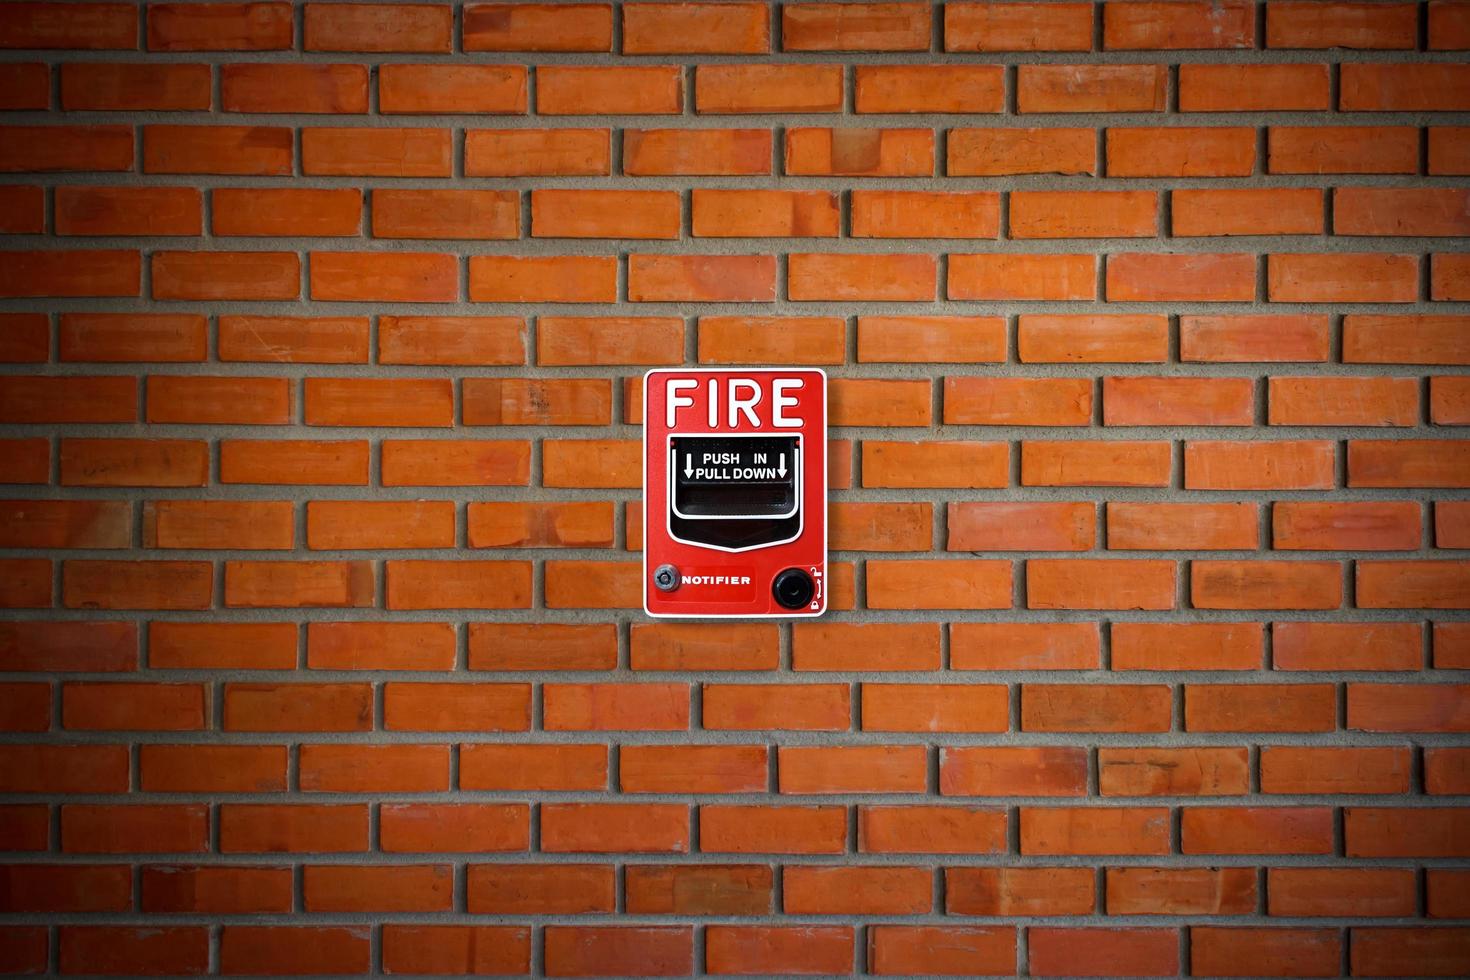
<point x="735" y="493"/>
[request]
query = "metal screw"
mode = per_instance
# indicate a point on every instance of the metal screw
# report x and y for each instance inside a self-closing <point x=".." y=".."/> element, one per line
<point x="666" y="578"/>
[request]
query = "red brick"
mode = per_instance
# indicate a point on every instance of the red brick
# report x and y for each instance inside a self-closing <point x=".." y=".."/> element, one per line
<point x="342" y="525"/>
<point x="1007" y="771"/>
<point x="1030" y="891"/>
<point x="1346" y="646"/>
<point x="29" y="460"/>
<point x="251" y="646"/>
<point x="286" y="950"/>
<point x="1413" y="584"/>
<point x="1382" y="952"/>
<point x="1408" y="707"/>
<point x="226" y="275"/>
<point x="1256" y="830"/>
<point x="533" y="767"/>
<point x="720" y="889"/>
<point x="1404" y="832"/>
<point x="1340" y="891"/>
<point x="859" y="152"/>
<point x="1292" y="769"/>
<point x="934" y="707"/>
<point x="381" y="888"/>
<point x="852" y="769"/>
<point x="916" y="214"/>
<point x="1017" y="401"/>
<point x="577" y="90"/>
<point x="395" y="152"/>
<point x="541" y="646"/>
<point x="676" y="152"/>
<point x="299" y="584"/>
<point x="456" y="949"/>
<point x="1419" y="212"/>
<point x="1343" y="149"/>
<point x="1017" y="27"/>
<point x="1090" y="88"/>
<point x="108" y="829"/>
<point x="291" y="462"/>
<point x="66" y="148"/>
<point x="880" y="890"/>
<point x="312" y="340"/>
<point x="1222" y="951"/>
<point x="66" y="888"/>
<point x="1083" y="214"/>
<point x="24" y="213"/>
<point x="1285" y="211"/>
<point x="912" y="584"/>
<point x="119" y="86"/>
<point x="1076" y="583"/>
<point x="1102" y="952"/>
<point x="866" y="27"/>
<point x="1170" y="26"/>
<point x="1096" y="708"/>
<point x="1181" y="891"/>
<point x="1094" y="463"/>
<point x="1173" y="772"/>
<point x="538" y="27"/>
<point x="1024" y="646"/>
<point x="1026" y="277"/>
<point x="1449" y="401"/>
<point x="286" y="212"/>
<point x="1094" y="830"/>
<point x="540" y="889"/>
<point x="1406" y="463"/>
<point x="1259" y="465"/>
<point x="477" y="707"/>
<point x="298" y="707"/>
<point x="694" y="28"/>
<point x="536" y="152"/>
<point x="950" y="950"/>
<point x="931" y="830"/>
<point x="294" y="88"/>
<point x="70" y="272"/>
<point x="89" y="26"/>
<point x="245" y="150"/>
<point x="1218" y="151"/>
<point x="212" y="768"/>
<point x="378" y="27"/>
<point x="1297" y="24"/>
<point x="772" y="829"/>
<point x="64" y="769"/>
<point x="142" y="950"/>
<point x="928" y="88"/>
<point x="1092" y="338"/>
<point x="436" y="89"/>
<point x="722" y="89"/>
<point x="613" y="827"/>
<point x="215" y="889"/>
<point x="1449" y="149"/>
<point x="219" y="27"/>
<point x="1137" y="276"/>
<point x="692" y="768"/>
<point x="997" y="152"/>
<point x="764" y="214"/>
<point x="1260" y="708"/>
<point x="1253" y="88"/>
<point x="578" y="951"/>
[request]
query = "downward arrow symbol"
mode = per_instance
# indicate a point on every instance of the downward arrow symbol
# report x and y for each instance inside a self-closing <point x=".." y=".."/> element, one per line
<point x="688" y="466"/>
<point x="781" y="470"/>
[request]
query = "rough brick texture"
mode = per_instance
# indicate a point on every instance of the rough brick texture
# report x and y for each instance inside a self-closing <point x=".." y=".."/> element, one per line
<point x="1148" y="326"/>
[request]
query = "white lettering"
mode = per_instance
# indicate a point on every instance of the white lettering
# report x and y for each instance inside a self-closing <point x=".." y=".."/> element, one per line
<point x="744" y="406"/>
<point x="677" y="401"/>
<point x="782" y="400"/>
<point x="716" y="580"/>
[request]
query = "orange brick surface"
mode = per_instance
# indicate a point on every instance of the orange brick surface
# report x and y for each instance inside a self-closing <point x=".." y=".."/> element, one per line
<point x="322" y="331"/>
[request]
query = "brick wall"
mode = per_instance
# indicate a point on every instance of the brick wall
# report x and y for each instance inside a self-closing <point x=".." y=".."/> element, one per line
<point x="1147" y="327"/>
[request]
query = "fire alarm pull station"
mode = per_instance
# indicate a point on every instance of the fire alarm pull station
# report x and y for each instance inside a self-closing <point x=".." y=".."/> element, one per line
<point x="735" y="493"/>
